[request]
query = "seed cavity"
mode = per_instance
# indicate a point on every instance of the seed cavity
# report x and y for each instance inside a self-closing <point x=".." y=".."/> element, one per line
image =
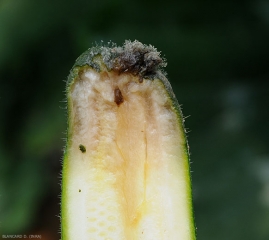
<point x="82" y="148"/>
<point x="118" y="98"/>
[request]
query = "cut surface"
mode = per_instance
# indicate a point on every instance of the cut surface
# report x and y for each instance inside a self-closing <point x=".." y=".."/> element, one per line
<point x="126" y="170"/>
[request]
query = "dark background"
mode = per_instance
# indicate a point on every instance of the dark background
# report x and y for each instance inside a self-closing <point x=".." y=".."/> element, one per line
<point x="218" y="55"/>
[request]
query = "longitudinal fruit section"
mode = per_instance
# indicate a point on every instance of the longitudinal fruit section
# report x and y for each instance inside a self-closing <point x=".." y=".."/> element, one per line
<point x="126" y="168"/>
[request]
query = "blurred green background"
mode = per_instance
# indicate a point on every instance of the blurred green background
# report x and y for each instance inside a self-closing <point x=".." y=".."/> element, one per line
<point x="218" y="56"/>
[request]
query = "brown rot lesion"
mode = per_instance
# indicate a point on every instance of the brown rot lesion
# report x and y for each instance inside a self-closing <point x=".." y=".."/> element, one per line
<point x="82" y="148"/>
<point x="140" y="78"/>
<point x="118" y="98"/>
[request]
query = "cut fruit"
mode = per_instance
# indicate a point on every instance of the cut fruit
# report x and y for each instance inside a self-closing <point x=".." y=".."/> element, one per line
<point x="126" y="167"/>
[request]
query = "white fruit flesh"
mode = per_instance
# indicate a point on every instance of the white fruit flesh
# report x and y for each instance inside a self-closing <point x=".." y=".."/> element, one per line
<point x="133" y="180"/>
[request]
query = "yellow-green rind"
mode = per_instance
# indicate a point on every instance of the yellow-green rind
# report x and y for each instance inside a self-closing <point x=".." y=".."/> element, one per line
<point x="106" y="58"/>
<point x="180" y="117"/>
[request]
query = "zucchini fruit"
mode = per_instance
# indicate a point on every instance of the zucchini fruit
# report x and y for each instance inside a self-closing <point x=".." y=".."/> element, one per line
<point x="126" y="172"/>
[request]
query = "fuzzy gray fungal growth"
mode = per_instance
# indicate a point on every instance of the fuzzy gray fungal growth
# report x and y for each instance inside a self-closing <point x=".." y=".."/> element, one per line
<point x="138" y="59"/>
<point x="133" y="57"/>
